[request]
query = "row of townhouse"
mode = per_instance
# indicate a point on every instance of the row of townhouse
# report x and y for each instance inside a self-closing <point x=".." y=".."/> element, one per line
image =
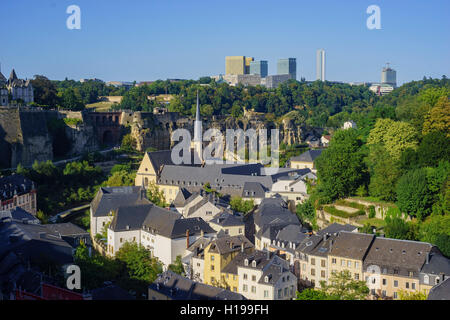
<point x="387" y="265"/>
<point x="124" y="214"/>
<point x="231" y="262"/>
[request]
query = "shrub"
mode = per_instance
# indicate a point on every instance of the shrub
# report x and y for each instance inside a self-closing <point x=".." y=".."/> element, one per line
<point x="372" y="212"/>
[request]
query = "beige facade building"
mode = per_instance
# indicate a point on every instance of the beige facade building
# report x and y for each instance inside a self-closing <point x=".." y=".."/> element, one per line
<point x="235" y="65"/>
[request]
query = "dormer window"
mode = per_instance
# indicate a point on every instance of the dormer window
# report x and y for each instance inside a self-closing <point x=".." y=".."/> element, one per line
<point x="254" y="264"/>
<point x="266" y="279"/>
<point x="246" y="262"/>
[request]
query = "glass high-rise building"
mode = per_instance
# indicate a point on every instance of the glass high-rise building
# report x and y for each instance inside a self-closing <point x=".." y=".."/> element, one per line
<point x="320" y="65"/>
<point x="259" y="67"/>
<point x="287" y="66"/>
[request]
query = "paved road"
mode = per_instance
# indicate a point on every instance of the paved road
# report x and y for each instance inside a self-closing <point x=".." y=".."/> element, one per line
<point x="67" y="213"/>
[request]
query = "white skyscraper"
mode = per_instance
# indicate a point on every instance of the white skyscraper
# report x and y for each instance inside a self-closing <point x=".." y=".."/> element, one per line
<point x="320" y="65"/>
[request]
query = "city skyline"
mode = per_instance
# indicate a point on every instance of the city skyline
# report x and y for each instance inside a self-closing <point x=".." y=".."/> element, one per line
<point x="130" y="43"/>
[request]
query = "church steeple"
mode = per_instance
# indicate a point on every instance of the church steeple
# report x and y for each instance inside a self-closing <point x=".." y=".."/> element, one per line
<point x="197" y="142"/>
<point x="197" y="114"/>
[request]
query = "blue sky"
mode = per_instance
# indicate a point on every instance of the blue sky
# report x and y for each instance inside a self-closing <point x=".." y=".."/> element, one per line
<point x="148" y="40"/>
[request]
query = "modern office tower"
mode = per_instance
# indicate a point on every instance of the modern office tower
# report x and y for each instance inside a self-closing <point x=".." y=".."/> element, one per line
<point x="389" y="76"/>
<point x="248" y="61"/>
<point x="235" y="65"/>
<point x="287" y="66"/>
<point x="320" y="65"/>
<point x="259" y="67"/>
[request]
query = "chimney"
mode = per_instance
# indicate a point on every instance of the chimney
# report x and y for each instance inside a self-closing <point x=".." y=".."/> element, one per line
<point x="268" y="255"/>
<point x="202" y="233"/>
<point x="242" y="247"/>
<point x="325" y="237"/>
<point x="331" y="244"/>
<point x="428" y="258"/>
<point x="187" y="238"/>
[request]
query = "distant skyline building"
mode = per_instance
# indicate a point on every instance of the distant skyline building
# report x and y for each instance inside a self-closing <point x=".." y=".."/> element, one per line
<point x="389" y="76"/>
<point x="235" y="65"/>
<point x="287" y="66"/>
<point x="248" y="61"/>
<point x="320" y="65"/>
<point x="238" y="64"/>
<point x="259" y="67"/>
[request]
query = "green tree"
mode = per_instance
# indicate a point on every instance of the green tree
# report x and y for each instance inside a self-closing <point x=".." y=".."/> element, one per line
<point x="340" y="168"/>
<point x="138" y="262"/>
<point x="306" y="211"/>
<point x="436" y="230"/>
<point x="438" y="119"/>
<point x="397" y="228"/>
<point x="416" y="295"/>
<point x="155" y="195"/>
<point x="343" y="287"/>
<point x="413" y="194"/>
<point x="128" y="143"/>
<point x="240" y="205"/>
<point x="395" y="136"/>
<point x="312" y="294"/>
<point x="70" y="99"/>
<point x="384" y="173"/>
<point x="45" y="92"/>
<point x="177" y="266"/>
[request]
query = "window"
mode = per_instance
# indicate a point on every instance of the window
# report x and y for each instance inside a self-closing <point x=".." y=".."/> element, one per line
<point x="212" y="267"/>
<point x="383" y="293"/>
<point x="395" y="283"/>
<point x="253" y="278"/>
<point x="212" y="258"/>
<point x="313" y="272"/>
<point x="322" y="274"/>
<point x="253" y="289"/>
<point x="280" y="294"/>
<point x="395" y="295"/>
<point x="342" y="263"/>
<point x="240" y="230"/>
<point x="356" y="265"/>
<point x="266" y="293"/>
<point x="212" y="279"/>
<point x="304" y="267"/>
<point x="349" y="264"/>
<point x="426" y="279"/>
<point x="356" y="276"/>
<point x="244" y="288"/>
<point x="333" y="261"/>
<point x="313" y="261"/>
<point x="411" y="274"/>
<point x="208" y="213"/>
<point x="285" y="292"/>
<point x="384" y="282"/>
<point x="413" y="286"/>
<point x="245" y="276"/>
<point x="323" y="264"/>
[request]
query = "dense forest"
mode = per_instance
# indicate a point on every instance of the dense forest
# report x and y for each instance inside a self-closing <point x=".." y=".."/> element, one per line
<point x="399" y="154"/>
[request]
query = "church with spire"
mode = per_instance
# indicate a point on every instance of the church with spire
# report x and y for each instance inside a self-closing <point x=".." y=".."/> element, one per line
<point x="197" y="142"/>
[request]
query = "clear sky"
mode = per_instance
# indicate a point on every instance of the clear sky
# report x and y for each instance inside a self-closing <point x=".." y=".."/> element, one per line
<point x="158" y="39"/>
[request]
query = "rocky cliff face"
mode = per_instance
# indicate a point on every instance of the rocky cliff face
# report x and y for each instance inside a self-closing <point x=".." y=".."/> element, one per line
<point x="24" y="137"/>
<point x="154" y="131"/>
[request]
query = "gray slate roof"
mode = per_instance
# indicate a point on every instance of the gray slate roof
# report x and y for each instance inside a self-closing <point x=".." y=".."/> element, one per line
<point x="111" y="198"/>
<point x="402" y="255"/>
<point x="308" y="156"/>
<point x="228" y="244"/>
<point x="437" y="264"/>
<point x="253" y="190"/>
<point x="440" y="291"/>
<point x="274" y="211"/>
<point x="176" y="287"/>
<point x="336" y="228"/>
<point x="352" y="245"/>
<point x="14" y="184"/>
<point x="226" y="219"/>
